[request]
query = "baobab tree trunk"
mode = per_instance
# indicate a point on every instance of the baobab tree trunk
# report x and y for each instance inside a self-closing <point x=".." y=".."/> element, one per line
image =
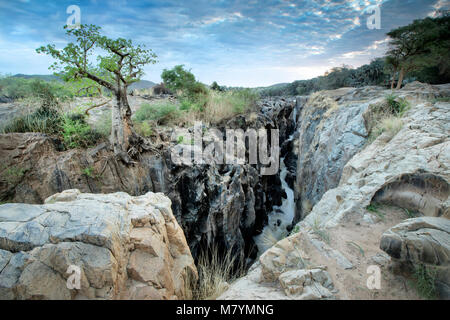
<point x="400" y="78"/>
<point x="122" y="129"/>
<point x="393" y="78"/>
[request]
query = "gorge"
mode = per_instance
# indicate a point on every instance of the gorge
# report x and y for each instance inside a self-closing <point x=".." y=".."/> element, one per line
<point x="304" y="228"/>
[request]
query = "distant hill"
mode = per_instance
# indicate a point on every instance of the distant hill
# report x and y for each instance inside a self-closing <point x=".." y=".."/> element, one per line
<point x="143" y="84"/>
<point x="45" y="77"/>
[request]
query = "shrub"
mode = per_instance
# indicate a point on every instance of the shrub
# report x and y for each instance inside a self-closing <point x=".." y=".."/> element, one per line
<point x="77" y="133"/>
<point x="224" y="105"/>
<point x="162" y="113"/>
<point x="425" y="281"/>
<point x="144" y="129"/>
<point x="13" y="175"/>
<point x="396" y="105"/>
<point x="215" y="271"/>
<point x="45" y="120"/>
<point x="390" y="126"/>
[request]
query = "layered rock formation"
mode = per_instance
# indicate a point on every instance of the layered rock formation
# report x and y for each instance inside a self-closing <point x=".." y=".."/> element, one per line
<point x="222" y="204"/>
<point x="422" y="242"/>
<point x="406" y="175"/>
<point x="119" y="247"/>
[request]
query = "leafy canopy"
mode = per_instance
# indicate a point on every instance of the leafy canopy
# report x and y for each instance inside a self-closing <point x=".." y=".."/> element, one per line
<point x="423" y="43"/>
<point x="120" y="64"/>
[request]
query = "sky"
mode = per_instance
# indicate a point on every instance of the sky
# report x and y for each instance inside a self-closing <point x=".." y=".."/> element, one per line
<point x="236" y="43"/>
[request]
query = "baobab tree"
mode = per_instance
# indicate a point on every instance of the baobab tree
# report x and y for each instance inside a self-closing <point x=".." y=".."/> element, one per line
<point x="119" y="64"/>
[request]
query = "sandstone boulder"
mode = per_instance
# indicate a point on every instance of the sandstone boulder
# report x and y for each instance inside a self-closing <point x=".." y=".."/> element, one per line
<point x="422" y="241"/>
<point x="123" y="246"/>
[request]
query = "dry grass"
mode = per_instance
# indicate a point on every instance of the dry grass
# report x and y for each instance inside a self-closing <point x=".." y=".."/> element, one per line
<point x="389" y="127"/>
<point x="215" y="271"/>
<point x="225" y="105"/>
<point x="321" y="100"/>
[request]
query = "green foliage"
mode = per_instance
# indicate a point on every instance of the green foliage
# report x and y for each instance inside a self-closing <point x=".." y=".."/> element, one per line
<point x="13" y="174"/>
<point x="48" y="91"/>
<point x="162" y="113"/>
<point x="123" y="59"/>
<point x="322" y="233"/>
<point x="144" y="129"/>
<point x="345" y="76"/>
<point x="77" y="133"/>
<point x="441" y="99"/>
<point x="296" y="229"/>
<point x="45" y="120"/>
<point x="373" y="207"/>
<point x="88" y="172"/>
<point x="425" y="281"/>
<point x="397" y="106"/>
<point x="178" y="79"/>
<point x="215" y="86"/>
<point x="410" y="214"/>
<point x="354" y="244"/>
<point x="422" y="45"/>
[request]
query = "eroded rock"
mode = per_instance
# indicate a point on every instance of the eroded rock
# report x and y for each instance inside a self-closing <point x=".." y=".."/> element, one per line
<point x="124" y="246"/>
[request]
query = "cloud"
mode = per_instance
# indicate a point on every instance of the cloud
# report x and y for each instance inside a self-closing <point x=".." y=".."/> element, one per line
<point x="246" y="43"/>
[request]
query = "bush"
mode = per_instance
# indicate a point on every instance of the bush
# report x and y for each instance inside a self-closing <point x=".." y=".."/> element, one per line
<point x="224" y="105"/>
<point x="390" y="126"/>
<point x="144" y="129"/>
<point x="161" y="113"/>
<point x="45" y="120"/>
<point x="49" y="91"/>
<point x="215" y="272"/>
<point x="425" y="281"/>
<point x="396" y="105"/>
<point x="77" y="133"/>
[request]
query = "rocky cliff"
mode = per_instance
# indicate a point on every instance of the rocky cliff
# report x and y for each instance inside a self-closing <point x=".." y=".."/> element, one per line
<point x="350" y="193"/>
<point x="123" y="247"/>
<point x="222" y="204"/>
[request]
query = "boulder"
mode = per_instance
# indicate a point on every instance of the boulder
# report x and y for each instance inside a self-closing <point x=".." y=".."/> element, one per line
<point x="123" y="246"/>
<point x="422" y="241"/>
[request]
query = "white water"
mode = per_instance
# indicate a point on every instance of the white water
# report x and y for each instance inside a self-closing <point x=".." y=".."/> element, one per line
<point x="280" y="217"/>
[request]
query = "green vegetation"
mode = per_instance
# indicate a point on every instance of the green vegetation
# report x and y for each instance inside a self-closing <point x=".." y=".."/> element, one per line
<point x="386" y="118"/>
<point x="374" y="208"/>
<point x="357" y="246"/>
<point x="296" y="229"/>
<point x="13" y="174"/>
<point x="345" y="76"/>
<point x="425" y="281"/>
<point x="422" y="47"/>
<point x="321" y="232"/>
<point x="419" y="51"/>
<point x="441" y="99"/>
<point x="45" y="120"/>
<point x="88" y="172"/>
<point x="397" y="106"/>
<point x="161" y="113"/>
<point x="410" y="214"/>
<point x="77" y="133"/>
<point x="19" y="88"/>
<point x="120" y="65"/>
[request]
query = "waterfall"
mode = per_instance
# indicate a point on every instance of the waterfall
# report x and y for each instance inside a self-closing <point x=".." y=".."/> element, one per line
<point x="281" y="217"/>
